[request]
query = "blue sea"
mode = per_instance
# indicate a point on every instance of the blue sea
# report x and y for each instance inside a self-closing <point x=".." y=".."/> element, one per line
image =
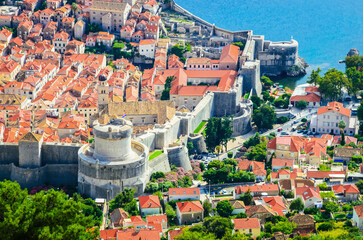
<point x="325" y="30"/>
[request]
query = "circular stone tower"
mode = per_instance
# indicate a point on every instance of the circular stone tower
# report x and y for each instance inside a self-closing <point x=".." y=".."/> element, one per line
<point x="113" y="162"/>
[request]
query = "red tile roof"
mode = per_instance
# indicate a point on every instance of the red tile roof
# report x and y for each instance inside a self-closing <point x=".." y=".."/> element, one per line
<point x="150" y="201"/>
<point x="258" y="168"/>
<point x="308" y="192"/>
<point x="257" y="188"/>
<point x="359" y="210"/>
<point x="322" y="174"/>
<point x="147" y="41"/>
<point x="279" y="162"/>
<point x="230" y="53"/>
<point x="138" y="234"/>
<point x="336" y="107"/>
<point x="183" y="191"/>
<point x="345" y="189"/>
<point x="246" y="223"/>
<point x="191" y="206"/>
<point x="311" y="97"/>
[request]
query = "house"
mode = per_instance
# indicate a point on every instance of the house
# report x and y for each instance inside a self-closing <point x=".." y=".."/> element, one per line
<point x="282" y="174"/>
<point x="327" y="120"/>
<point x="189" y="212"/>
<point x="68" y="25"/>
<point x="198" y="63"/>
<point x="174" y="62"/>
<point x="261" y="212"/>
<point x="126" y="33"/>
<point x="138" y="233"/>
<point x="277" y="204"/>
<point x="323" y="175"/>
<point x="347" y="192"/>
<point x="257" y="168"/>
<point x="291" y="184"/>
<point x="305" y="224"/>
<point x="5" y="20"/>
<point x="238" y="205"/>
<point x="229" y="58"/>
<point x="8" y="70"/>
<point x="147" y="48"/>
<point x="24" y="29"/>
<point x="60" y="41"/>
<point x="149" y="205"/>
<point x="287" y="147"/>
<point x="46" y="16"/>
<point x="310" y="196"/>
<point x="179" y="194"/>
<point x="308" y="93"/>
<point x="5" y="36"/>
<point x="79" y="29"/>
<point x="279" y="163"/>
<point x="249" y="226"/>
<point x="172" y="234"/>
<point x="137" y="36"/>
<point x="257" y="190"/>
<point x="105" y="38"/>
<point x="119" y="218"/>
<point x="358" y="216"/>
<point x="50" y="30"/>
<point x="161" y="219"/>
<point x="345" y="154"/>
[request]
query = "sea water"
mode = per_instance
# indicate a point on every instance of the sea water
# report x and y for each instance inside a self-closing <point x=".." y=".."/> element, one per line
<point x="325" y="30"/>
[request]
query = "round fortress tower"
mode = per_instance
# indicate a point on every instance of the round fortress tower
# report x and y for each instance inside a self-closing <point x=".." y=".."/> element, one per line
<point x="113" y="162"/>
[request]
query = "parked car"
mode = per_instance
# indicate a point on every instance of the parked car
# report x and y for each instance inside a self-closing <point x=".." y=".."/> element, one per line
<point x="300" y="131"/>
<point x="212" y="155"/>
<point x="279" y="130"/>
<point x="284" y="133"/>
<point x="204" y="154"/>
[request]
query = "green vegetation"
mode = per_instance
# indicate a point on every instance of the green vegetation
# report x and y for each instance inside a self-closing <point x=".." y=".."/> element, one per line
<point x="179" y="50"/>
<point x="155" y="154"/>
<point x="126" y="201"/>
<point x="302" y="104"/>
<point x="266" y="81"/>
<point x="282" y="120"/>
<point x="297" y="205"/>
<point x="224" y="208"/>
<point x="247" y="198"/>
<point x="264" y="117"/>
<point x="225" y="172"/>
<point x="93" y="28"/>
<point x="282" y="101"/>
<point x="218" y="132"/>
<point x="213" y="228"/>
<point x="44" y="215"/>
<point x="200" y="126"/>
<point x="165" y="95"/>
<point x="329" y="194"/>
<point x="258" y="152"/>
<point x="239" y="44"/>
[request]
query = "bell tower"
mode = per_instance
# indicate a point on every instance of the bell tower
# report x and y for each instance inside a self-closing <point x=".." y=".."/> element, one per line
<point x="102" y="93"/>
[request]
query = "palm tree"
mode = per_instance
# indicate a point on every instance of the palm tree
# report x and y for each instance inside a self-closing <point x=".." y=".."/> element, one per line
<point x="74" y="8"/>
<point x="218" y="149"/>
<point x="342" y="125"/>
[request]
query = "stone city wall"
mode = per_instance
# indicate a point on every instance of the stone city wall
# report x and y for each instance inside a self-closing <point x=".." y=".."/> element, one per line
<point x="160" y="164"/>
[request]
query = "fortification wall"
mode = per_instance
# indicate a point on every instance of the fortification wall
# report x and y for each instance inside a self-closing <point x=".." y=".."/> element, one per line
<point x="5" y="171"/>
<point x="198" y="142"/>
<point x="160" y="164"/>
<point x="61" y="174"/>
<point x="242" y="120"/>
<point x="178" y="156"/>
<point x="148" y="139"/>
<point x="28" y="177"/>
<point x="9" y="153"/>
<point x="60" y="153"/>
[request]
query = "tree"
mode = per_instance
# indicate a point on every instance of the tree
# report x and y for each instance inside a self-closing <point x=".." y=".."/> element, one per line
<point x="44" y="215"/>
<point x="170" y="214"/>
<point x="285" y="227"/>
<point x="202" y="166"/>
<point x="165" y="95"/>
<point x="342" y="138"/>
<point x="315" y="77"/>
<point x="264" y="117"/>
<point x="207" y="208"/>
<point x="239" y="44"/>
<point x="332" y="83"/>
<point x="266" y="81"/>
<point x="157" y="175"/>
<point x="342" y="125"/>
<point x="241" y="215"/>
<point x="359" y="185"/>
<point x="218" y="132"/>
<point x="256" y="100"/>
<point x="258" y="152"/>
<point x="74" y="8"/>
<point x="302" y="104"/>
<point x="331" y="206"/>
<point x="326" y="226"/>
<point x="297" y="204"/>
<point x="282" y="120"/>
<point x="219" y="226"/>
<point x="123" y="198"/>
<point x="190" y="147"/>
<point x="247" y="198"/>
<point x="224" y="208"/>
